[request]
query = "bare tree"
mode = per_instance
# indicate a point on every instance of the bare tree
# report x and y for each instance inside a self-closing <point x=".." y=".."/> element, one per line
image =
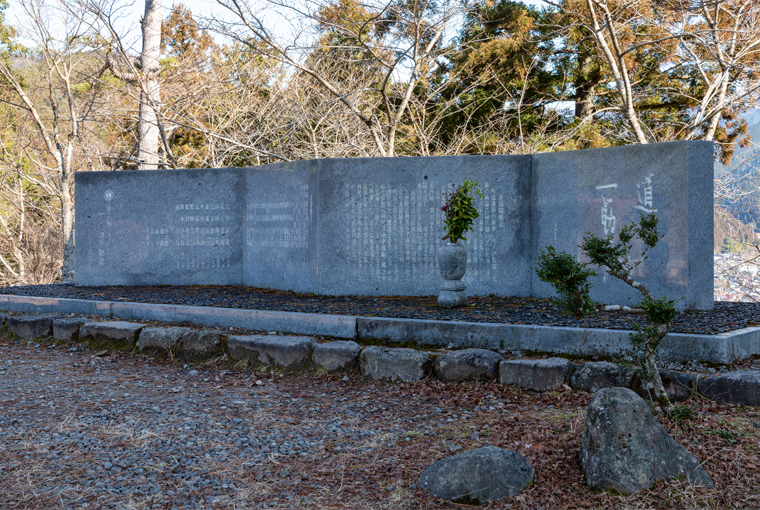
<point x="144" y="74"/>
<point x="150" y="93"/>
<point x="698" y="58"/>
<point x="30" y="244"/>
<point x="397" y="42"/>
<point x="54" y="92"/>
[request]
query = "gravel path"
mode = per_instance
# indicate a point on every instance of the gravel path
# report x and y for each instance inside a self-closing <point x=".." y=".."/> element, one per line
<point x="82" y="431"/>
<point x="514" y="310"/>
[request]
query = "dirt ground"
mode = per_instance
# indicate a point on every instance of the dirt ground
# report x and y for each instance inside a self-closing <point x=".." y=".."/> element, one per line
<point x="86" y="429"/>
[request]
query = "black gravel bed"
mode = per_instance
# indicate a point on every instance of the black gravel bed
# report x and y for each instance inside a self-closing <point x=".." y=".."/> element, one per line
<point x="725" y="317"/>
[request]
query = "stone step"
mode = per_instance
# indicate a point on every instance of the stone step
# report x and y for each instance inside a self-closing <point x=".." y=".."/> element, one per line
<point x="118" y="334"/>
<point x="733" y="388"/>
<point x="29" y="327"/>
<point x="594" y="376"/>
<point x="537" y="375"/>
<point x="67" y="329"/>
<point x="288" y="352"/>
<point x="201" y="345"/>
<point x="337" y="357"/>
<point x="162" y="342"/>
<point x="467" y="365"/>
<point x="388" y="364"/>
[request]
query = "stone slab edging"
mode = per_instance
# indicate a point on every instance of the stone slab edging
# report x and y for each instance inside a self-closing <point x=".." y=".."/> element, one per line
<point x="338" y="326"/>
<point x="723" y="349"/>
<point x="377" y="363"/>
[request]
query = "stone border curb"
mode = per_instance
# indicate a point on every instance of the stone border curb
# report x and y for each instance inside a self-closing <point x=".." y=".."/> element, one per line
<point x="374" y="362"/>
<point x="723" y="349"/>
<point x="339" y="326"/>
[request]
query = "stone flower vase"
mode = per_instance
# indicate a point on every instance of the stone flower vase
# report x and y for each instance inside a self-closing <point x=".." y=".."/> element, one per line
<point x="452" y="261"/>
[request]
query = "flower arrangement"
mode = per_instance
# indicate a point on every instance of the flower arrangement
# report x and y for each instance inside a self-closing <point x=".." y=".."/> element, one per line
<point x="460" y="211"/>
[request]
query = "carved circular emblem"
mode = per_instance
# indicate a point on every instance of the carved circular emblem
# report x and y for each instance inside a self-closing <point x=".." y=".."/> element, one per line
<point x="108" y="195"/>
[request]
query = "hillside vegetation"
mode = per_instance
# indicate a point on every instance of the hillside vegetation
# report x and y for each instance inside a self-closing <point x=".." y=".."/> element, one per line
<point x="730" y="233"/>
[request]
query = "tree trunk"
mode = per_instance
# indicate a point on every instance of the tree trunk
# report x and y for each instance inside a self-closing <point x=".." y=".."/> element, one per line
<point x="584" y="101"/>
<point x="588" y="78"/>
<point x="150" y="96"/>
<point x="17" y="253"/>
<point x="67" y="220"/>
<point x="615" y="58"/>
<point x="660" y="397"/>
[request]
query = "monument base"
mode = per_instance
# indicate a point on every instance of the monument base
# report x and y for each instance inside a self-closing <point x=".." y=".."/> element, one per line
<point x="452" y="294"/>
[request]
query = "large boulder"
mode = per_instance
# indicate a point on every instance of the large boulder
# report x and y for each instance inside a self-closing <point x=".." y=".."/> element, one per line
<point x="625" y="448"/>
<point x="467" y="365"/>
<point x="118" y="334"/>
<point x="200" y="345"/>
<point x="678" y="386"/>
<point x="389" y="364"/>
<point x="733" y="388"/>
<point x="31" y="326"/>
<point x="477" y="476"/>
<point x="594" y="376"/>
<point x="337" y="357"/>
<point x="535" y="374"/>
<point x="288" y="352"/>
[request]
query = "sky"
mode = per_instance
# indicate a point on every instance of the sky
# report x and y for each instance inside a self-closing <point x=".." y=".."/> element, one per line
<point x="131" y="11"/>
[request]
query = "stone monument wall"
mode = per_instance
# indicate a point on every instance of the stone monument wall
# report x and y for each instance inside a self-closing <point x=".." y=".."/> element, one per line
<point x="174" y="227"/>
<point x="600" y="190"/>
<point x="372" y="226"/>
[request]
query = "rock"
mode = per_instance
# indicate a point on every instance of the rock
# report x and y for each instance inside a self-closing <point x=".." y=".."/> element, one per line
<point x="678" y="386"/>
<point x="335" y="357"/>
<point x="119" y="334"/>
<point x="537" y="375"/>
<point x="594" y="376"/>
<point x="477" y="476"/>
<point x="625" y="448"/>
<point x="67" y="330"/>
<point x="467" y="364"/>
<point x="31" y="326"/>
<point x="160" y="341"/>
<point x="288" y="352"/>
<point x="199" y="345"/>
<point x="388" y="364"/>
<point x="733" y="388"/>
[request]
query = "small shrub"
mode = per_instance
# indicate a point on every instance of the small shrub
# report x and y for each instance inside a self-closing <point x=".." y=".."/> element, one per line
<point x="460" y="210"/>
<point x="569" y="278"/>
<point x="726" y="435"/>
<point x="682" y="413"/>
